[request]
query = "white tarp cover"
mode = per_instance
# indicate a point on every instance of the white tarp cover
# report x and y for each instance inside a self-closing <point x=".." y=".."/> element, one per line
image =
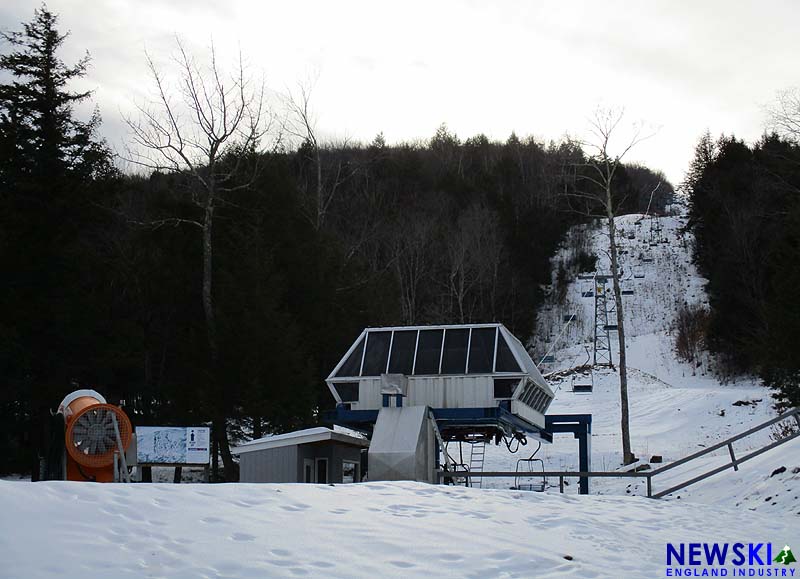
<point x="402" y="446"/>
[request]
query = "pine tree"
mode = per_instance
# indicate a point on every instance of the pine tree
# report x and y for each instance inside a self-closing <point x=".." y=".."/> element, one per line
<point x="49" y="163"/>
<point x="36" y="108"/>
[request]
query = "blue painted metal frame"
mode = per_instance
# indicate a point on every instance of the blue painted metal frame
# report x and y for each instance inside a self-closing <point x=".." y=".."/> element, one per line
<point x="579" y="425"/>
<point x="494" y="416"/>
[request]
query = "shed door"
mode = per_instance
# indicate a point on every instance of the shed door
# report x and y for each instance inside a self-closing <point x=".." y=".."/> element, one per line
<point x="322" y="471"/>
<point x="308" y="470"/>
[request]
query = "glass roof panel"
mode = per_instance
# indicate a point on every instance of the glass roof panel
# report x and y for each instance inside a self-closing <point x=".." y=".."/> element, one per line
<point x="402" y="355"/>
<point x="454" y="358"/>
<point x="353" y="363"/>
<point x="429" y="351"/>
<point x="377" y="353"/>
<point x="481" y="350"/>
<point x="505" y="359"/>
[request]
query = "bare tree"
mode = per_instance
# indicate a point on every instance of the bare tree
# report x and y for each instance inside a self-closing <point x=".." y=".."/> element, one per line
<point x="327" y="176"/>
<point x="207" y="127"/>
<point x="784" y="114"/>
<point x="598" y="172"/>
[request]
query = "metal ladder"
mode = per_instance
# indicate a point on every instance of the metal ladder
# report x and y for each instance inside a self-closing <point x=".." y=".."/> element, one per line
<point x="477" y="455"/>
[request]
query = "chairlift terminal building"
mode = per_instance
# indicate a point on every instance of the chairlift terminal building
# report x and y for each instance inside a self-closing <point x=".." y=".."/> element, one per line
<point x="469" y="375"/>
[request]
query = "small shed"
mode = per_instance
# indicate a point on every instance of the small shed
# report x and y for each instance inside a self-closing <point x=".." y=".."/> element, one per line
<point x="314" y="455"/>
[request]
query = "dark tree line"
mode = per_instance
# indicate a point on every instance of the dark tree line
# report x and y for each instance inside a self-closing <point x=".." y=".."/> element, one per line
<point x="310" y="244"/>
<point x="745" y="212"/>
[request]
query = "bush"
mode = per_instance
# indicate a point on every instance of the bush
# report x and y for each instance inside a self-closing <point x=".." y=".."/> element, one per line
<point x="691" y="326"/>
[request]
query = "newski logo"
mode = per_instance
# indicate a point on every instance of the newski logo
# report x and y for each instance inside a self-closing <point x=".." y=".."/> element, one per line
<point x="729" y="560"/>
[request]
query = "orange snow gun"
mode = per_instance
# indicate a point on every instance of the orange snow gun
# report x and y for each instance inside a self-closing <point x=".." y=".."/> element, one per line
<point x="96" y="438"/>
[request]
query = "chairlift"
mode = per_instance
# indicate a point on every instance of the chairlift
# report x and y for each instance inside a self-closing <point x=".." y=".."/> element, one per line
<point x="587" y="288"/>
<point x="583" y="384"/>
<point x="638" y="272"/>
<point x="569" y="318"/>
<point x="549" y="359"/>
<point x="526" y="471"/>
<point x="626" y="288"/>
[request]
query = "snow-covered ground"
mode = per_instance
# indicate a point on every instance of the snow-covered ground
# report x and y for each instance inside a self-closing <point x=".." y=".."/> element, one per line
<point x="60" y="529"/>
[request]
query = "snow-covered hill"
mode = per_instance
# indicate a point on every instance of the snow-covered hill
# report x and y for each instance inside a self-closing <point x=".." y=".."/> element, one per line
<point x="676" y="408"/>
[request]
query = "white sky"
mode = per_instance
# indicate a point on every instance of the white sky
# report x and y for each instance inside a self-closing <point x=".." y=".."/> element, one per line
<point x="404" y="68"/>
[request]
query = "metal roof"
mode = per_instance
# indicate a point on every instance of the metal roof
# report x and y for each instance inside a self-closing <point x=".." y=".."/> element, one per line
<point x="307" y="436"/>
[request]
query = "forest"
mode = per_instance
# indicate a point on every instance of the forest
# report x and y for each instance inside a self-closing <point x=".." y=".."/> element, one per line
<point x="218" y="280"/>
<point x="745" y="214"/>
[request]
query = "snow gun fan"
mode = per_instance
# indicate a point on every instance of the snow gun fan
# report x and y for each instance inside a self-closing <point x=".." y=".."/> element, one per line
<point x="96" y="437"/>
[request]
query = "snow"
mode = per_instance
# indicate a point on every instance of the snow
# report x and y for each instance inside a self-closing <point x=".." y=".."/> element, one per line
<point x="62" y="529"/>
<point x="317" y="431"/>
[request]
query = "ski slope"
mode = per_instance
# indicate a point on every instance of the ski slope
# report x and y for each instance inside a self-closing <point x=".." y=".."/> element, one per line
<point x="676" y="408"/>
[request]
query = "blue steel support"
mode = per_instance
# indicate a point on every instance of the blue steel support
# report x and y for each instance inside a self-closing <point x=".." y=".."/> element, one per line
<point x="580" y="425"/>
<point x="445" y="417"/>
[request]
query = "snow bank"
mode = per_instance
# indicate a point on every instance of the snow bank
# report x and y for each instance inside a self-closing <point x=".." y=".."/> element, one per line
<point x="65" y="529"/>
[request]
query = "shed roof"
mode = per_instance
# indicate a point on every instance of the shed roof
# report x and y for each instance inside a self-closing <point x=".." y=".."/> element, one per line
<point x="306" y="436"/>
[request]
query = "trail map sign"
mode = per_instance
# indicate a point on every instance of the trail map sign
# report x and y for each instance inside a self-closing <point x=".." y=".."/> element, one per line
<point x="168" y="445"/>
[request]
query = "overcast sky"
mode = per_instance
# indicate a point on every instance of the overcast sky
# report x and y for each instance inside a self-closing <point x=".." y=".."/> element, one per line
<point x="404" y="68"/>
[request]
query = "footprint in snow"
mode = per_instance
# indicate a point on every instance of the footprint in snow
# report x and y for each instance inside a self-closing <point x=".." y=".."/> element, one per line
<point x="243" y="537"/>
<point x="295" y="507"/>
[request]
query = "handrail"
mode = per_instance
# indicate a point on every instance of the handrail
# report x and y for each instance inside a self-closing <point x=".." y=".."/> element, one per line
<point x="794" y="412"/>
<point x="648" y="475"/>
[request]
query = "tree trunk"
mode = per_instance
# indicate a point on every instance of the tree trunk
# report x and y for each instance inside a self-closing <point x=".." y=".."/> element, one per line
<point x="320" y="190"/>
<point x="208" y="303"/>
<point x="219" y="422"/>
<point x="627" y="455"/>
<point x="219" y="427"/>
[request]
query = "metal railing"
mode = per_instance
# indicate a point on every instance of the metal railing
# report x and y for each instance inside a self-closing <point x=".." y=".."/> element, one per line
<point x="650" y="474"/>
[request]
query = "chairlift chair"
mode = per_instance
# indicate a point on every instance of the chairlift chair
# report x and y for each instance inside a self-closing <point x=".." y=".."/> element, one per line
<point x="584" y="384"/>
<point x="526" y="471"/>
<point x="587" y="288"/>
<point x="626" y="288"/>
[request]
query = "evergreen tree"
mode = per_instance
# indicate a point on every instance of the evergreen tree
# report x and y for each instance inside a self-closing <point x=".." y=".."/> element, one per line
<point x="50" y="165"/>
<point x="36" y="107"/>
